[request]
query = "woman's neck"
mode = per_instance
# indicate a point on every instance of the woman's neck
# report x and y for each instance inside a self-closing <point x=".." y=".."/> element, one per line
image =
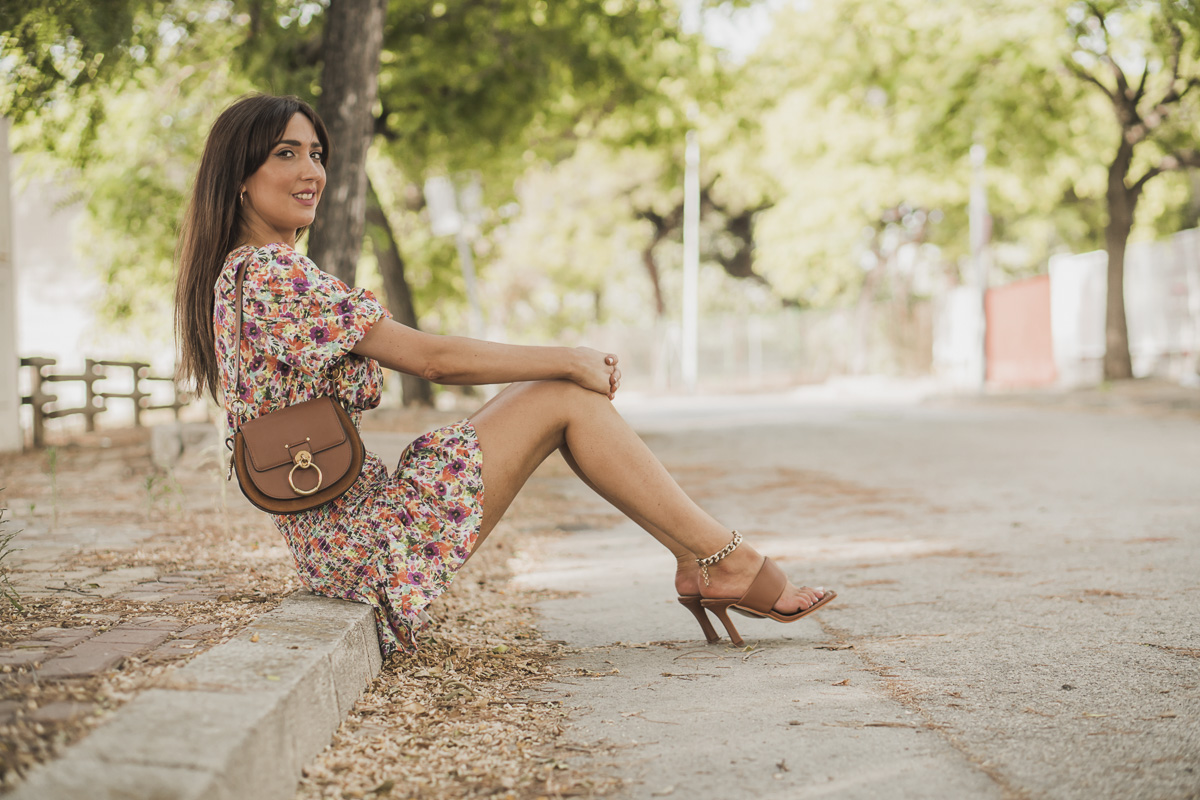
<point x="257" y="237"/>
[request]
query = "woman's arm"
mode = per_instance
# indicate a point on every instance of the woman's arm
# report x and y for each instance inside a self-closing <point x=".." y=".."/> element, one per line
<point x="457" y="360"/>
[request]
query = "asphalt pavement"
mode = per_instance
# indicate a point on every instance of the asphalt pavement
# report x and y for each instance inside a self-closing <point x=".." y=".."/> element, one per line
<point x="1017" y="613"/>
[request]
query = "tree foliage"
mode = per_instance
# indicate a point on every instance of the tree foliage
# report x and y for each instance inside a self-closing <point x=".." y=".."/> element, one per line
<point x="572" y="116"/>
<point x="67" y="46"/>
<point x="477" y="85"/>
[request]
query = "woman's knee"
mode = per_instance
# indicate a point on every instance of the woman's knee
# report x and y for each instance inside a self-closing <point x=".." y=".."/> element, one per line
<point x="562" y="396"/>
<point x="548" y="390"/>
<point x="562" y="399"/>
<point x="574" y="397"/>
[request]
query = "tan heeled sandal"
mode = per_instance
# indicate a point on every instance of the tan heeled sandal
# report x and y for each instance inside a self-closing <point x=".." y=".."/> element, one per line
<point x="759" y="599"/>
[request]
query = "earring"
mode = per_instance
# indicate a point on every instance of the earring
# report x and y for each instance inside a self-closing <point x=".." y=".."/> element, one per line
<point x="242" y="197"/>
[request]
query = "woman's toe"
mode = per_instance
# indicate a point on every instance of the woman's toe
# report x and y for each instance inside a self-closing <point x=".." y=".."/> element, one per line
<point x="810" y="597"/>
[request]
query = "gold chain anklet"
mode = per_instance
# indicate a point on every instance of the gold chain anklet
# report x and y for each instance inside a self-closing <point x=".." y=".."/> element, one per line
<point x="705" y="563"/>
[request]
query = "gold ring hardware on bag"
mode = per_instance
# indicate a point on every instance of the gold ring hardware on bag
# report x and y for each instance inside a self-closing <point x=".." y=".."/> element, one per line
<point x="303" y="460"/>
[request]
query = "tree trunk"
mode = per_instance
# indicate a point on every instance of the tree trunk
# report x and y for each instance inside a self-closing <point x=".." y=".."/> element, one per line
<point x="651" y="265"/>
<point x="416" y="391"/>
<point x="349" y="84"/>
<point x="1122" y="202"/>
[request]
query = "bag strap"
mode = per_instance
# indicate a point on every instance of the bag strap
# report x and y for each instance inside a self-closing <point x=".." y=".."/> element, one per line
<point x="237" y="405"/>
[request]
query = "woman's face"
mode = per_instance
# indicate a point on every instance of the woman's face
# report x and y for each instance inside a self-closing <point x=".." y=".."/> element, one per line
<point x="282" y="195"/>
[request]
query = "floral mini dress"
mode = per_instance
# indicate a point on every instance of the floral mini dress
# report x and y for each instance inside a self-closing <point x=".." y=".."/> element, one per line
<point x="393" y="541"/>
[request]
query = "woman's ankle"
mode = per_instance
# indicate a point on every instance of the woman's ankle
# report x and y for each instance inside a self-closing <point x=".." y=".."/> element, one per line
<point x="738" y="567"/>
<point x="742" y="560"/>
<point x="733" y="573"/>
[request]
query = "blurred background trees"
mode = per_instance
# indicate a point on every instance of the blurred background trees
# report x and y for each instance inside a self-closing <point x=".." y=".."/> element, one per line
<point x="833" y="135"/>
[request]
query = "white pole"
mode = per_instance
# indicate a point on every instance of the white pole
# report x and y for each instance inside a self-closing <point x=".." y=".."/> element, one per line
<point x="466" y="258"/>
<point x="691" y="261"/>
<point x="11" y="438"/>
<point x="449" y="215"/>
<point x="691" y="22"/>
<point x="979" y="221"/>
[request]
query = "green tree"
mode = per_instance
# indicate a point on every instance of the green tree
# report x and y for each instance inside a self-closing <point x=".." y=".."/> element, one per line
<point x="66" y="50"/>
<point x="473" y="85"/>
<point x="496" y="88"/>
<point x="884" y="99"/>
<point x="1142" y="58"/>
<point x="877" y="105"/>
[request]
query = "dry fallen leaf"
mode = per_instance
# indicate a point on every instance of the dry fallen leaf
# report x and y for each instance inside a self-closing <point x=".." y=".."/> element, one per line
<point x="846" y="682"/>
<point x="254" y="637"/>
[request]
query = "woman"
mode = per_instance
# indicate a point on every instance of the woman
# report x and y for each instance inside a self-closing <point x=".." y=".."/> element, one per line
<point x="396" y="541"/>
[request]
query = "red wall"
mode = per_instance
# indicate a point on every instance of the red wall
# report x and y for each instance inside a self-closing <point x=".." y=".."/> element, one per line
<point x="1019" y="348"/>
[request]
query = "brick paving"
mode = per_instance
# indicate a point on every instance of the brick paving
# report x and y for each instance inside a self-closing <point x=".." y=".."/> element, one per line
<point x="55" y="653"/>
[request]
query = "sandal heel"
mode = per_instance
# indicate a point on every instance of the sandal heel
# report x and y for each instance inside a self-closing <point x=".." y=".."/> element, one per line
<point x="721" y="609"/>
<point x="692" y="604"/>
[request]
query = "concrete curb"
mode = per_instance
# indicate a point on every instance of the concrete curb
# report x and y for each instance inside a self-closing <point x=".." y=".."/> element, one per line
<point x="239" y="721"/>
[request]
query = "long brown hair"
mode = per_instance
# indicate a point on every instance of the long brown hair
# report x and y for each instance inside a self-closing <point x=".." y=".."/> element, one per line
<point x="238" y="144"/>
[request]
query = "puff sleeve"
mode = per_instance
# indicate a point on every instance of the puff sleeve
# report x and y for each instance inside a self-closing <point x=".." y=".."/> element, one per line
<point x="300" y="314"/>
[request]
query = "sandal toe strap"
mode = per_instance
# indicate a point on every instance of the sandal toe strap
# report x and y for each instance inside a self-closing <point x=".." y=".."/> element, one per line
<point x="766" y="589"/>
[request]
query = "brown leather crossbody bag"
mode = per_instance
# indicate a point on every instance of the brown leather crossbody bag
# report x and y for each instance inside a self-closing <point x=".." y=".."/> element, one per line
<point x="296" y="458"/>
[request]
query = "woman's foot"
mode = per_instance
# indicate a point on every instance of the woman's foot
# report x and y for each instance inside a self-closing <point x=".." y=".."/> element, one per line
<point x="732" y="576"/>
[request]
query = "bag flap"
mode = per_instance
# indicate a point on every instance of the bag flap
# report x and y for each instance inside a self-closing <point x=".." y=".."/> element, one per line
<point x="333" y="464"/>
<point x="316" y="421"/>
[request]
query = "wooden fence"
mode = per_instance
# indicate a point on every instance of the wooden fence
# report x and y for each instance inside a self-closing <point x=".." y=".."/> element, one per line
<point x="41" y="372"/>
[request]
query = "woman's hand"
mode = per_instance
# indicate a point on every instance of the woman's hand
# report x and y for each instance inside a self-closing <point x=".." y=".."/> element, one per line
<point x="597" y="371"/>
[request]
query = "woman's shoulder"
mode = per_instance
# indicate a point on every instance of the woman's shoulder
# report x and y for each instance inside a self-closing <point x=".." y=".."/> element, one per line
<point x="233" y="262"/>
<point x="276" y="260"/>
<point x="277" y="271"/>
<point x="274" y="253"/>
<point x="236" y="256"/>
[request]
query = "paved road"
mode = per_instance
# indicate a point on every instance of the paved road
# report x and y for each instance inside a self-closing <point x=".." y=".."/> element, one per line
<point x="1017" y="614"/>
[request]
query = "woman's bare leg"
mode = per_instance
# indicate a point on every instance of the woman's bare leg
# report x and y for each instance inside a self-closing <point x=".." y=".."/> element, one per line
<point x="681" y="553"/>
<point x="524" y="424"/>
<point x="687" y="571"/>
